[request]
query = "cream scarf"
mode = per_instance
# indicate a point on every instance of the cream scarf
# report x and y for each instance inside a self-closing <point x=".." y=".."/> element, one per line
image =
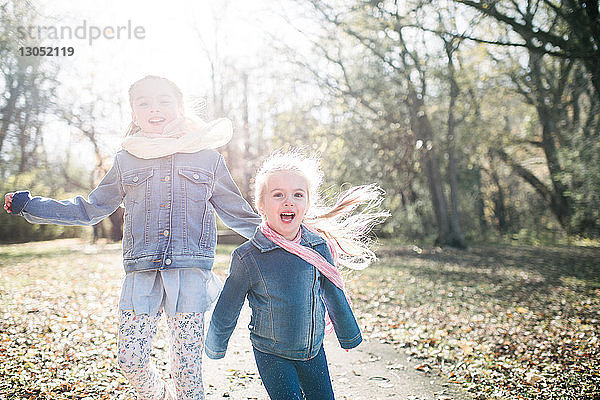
<point x="183" y="135"/>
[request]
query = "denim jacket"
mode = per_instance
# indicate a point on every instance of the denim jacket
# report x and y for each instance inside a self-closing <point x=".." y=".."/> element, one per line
<point x="288" y="297"/>
<point x="170" y="205"/>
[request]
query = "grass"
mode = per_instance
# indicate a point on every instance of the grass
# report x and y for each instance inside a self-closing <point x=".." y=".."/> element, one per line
<point x="506" y="322"/>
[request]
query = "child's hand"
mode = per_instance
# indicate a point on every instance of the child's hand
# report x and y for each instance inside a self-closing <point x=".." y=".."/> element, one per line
<point x="8" y="202"/>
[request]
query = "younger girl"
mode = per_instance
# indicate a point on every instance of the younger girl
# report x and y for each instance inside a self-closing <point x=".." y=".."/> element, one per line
<point x="172" y="183"/>
<point x="288" y="272"/>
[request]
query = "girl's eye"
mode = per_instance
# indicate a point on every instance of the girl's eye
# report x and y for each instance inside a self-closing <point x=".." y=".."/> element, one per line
<point x="143" y="104"/>
<point x="299" y="195"/>
<point x="165" y="102"/>
<point x="277" y="195"/>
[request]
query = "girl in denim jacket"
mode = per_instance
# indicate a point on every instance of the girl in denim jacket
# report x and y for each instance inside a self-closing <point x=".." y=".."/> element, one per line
<point x="171" y="183"/>
<point x="288" y="272"/>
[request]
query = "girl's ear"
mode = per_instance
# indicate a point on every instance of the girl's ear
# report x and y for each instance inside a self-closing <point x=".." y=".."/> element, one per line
<point x="261" y="208"/>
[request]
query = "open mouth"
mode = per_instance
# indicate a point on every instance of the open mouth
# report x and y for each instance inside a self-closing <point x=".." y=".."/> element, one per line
<point x="287" y="217"/>
<point x="156" y="120"/>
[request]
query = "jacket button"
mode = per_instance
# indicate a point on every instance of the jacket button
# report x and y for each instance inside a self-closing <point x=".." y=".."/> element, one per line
<point x="168" y="261"/>
<point x="166" y="232"/>
<point x="196" y="176"/>
<point x="135" y="179"/>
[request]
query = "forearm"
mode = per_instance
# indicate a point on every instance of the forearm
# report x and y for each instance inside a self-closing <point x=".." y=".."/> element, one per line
<point x="231" y="207"/>
<point x="341" y="315"/>
<point x="227" y="310"/>
<point x="102" y="202"/>
<point x="76" y="211"/>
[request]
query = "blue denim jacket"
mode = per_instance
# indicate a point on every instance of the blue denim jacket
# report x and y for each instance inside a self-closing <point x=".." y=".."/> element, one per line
<point x="170" y="204"/>
<point x="288" y="297"/>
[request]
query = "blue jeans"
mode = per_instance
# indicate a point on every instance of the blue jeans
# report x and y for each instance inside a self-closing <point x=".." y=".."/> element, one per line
<point x="287" y="379"/>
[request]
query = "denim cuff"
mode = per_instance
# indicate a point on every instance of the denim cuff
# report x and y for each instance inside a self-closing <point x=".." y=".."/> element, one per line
<point x="215" y="355"/>
<point x="19" y="201"/>
<point x="350" y="343"/>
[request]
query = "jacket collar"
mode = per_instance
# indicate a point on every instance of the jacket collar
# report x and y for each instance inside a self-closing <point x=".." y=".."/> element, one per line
<point x="308" y="238"/>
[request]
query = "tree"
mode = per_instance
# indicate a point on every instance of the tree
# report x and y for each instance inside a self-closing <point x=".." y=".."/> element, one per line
<point x="568" y="29"/>
<point x="547" y="49"/>
<point x="27" y="85"/>
<point x="230" y="95"/>
<point x="388" y="43"/>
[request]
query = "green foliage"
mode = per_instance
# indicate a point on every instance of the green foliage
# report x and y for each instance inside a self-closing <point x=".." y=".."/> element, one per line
<point x="17" y="229"/>
<point x="46" y="182"/>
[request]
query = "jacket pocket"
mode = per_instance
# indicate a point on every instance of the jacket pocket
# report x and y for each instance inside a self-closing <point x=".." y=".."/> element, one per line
<point x="137" y="207"/>
<point x="197" y="183"/>
<point x="195" y="186"/>
<point x="260" y="324"/>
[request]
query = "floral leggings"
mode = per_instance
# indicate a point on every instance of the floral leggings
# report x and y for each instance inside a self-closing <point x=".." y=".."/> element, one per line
<point x="186" y="339"/>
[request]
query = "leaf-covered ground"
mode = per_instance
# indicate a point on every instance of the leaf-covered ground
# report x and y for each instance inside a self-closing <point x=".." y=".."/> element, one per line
<point x="506" y="322"/>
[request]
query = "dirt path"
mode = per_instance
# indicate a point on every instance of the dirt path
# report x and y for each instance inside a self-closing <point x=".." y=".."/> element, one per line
<point x="372" y="371"/>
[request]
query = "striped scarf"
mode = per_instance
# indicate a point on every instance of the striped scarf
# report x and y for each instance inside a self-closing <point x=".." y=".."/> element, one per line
<point x="310" y="256"/>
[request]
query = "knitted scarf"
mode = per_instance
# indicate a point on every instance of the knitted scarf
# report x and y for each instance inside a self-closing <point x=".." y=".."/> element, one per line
<point x="310" y="256"/>
<point x="183" y="135"/>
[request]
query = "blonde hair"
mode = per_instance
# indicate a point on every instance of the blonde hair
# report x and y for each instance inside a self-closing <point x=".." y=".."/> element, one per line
<point x="133" y="128"/>
<point x="347" y="223"/>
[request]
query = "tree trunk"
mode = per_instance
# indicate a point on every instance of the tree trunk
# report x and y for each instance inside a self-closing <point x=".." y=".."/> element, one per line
<point x="547" y="103"/>
<point x="480" y="205"/>
<point x="248" y="172"/>
<point x="423" y="131"/>
<point x="499" y="200"/>
<point x="454" y="217"/>
<point x="9" y="109"/>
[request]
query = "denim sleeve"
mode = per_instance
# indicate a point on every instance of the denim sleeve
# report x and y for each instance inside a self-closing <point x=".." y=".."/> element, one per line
<point x="234" y="211"/>
<point x="102" y="202"/>
<point x="227" y="311"/>
<point x="339" y="310"/>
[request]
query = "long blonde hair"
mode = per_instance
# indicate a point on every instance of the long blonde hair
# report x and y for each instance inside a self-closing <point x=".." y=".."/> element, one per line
<point x="133" y="128"/>
<point x="347" y="223"/>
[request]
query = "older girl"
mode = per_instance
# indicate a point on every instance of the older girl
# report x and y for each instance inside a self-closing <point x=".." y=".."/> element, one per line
<point x="172" y="183"/>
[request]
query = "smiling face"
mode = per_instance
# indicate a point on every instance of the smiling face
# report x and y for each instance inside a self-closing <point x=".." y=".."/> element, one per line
<point x="154" y="104"/>
<point x="284" y="202"/>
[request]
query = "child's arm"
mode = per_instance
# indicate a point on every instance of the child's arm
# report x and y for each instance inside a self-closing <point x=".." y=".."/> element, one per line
<point x="77" y="211"/>
<point x="234" y="211"/>
<point x="339" y="310"/>
<point x="341" y="315"/>
<point x="227" y="311"/>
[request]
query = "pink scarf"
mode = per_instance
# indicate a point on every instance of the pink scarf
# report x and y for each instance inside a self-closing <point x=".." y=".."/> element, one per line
<point x="310" y="256"/>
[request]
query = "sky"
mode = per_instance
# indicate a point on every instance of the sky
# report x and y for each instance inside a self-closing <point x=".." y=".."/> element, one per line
<point x="170" y="32"/>
<point x="159" y="38"/>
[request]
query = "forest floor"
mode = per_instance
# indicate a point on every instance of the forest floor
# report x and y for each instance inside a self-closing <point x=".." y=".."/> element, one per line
<point x="491" y="322"/>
